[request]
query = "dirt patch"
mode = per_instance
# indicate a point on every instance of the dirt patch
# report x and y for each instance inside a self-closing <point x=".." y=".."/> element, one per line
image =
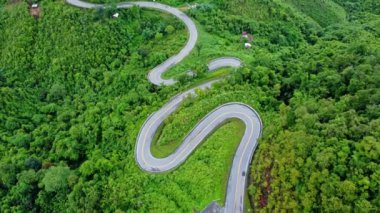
<point x="265" y="191"/>
<point x="35" y="12"/>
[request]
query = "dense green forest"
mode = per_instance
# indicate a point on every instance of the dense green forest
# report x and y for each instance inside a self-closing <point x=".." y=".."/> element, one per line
<point x="74" y="94"/>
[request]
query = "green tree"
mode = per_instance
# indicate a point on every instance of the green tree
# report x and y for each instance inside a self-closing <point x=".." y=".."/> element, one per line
<point x="56" y="92"/>
<point x="55" y="179"/>
<point x="169" y="29"/>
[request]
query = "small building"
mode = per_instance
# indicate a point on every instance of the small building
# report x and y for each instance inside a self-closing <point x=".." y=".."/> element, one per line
<point x="116" y="15"/>
<point x="35" y="10"/>
<point x="247" y="45"/>
<point x="194" y="6"/>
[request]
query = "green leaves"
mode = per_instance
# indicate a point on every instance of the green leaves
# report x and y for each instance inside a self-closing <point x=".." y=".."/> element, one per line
<point x="56" y="179"/>
<point x="57" y="92"/>
<point x="73" y="95"/>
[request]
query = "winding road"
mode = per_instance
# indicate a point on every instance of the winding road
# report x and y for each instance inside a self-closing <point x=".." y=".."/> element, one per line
<point x="234" y="201"/>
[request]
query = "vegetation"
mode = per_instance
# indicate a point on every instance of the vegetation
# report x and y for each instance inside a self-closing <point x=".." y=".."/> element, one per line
<point x="323" y="12"/>
<point x="74" y="94"/>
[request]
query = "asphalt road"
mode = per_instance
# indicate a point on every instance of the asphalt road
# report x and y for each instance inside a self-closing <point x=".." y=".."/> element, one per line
<point x="154" y="75"/>
<point x="253" y="125"/>
<point x="223" y="62"/>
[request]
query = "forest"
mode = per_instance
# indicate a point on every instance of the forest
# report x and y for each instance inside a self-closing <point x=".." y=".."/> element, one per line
<point x="74" y="95"/>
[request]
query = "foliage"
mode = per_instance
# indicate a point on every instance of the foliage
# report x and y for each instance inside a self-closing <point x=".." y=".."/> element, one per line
<point x="325" y="12"/>
<point x="55" y="179"/>
<point x="74" y="94"/>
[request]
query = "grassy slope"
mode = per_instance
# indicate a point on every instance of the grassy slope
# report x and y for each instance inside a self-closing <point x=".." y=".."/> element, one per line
<point x="164" y="150"/>
<point x="324" y="12"/>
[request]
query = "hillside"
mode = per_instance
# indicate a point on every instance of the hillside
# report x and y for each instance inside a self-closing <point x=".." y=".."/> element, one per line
<point x="74" y="95"/>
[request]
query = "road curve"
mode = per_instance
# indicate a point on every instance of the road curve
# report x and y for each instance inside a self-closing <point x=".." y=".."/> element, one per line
<point x="239" y="170"/>
<point x="154" y="75"/>
<point x="234" y="201"/>
<point x="223" y="62"/>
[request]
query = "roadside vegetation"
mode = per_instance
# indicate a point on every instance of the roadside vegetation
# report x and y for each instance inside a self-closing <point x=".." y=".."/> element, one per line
<point x="74" y="94"/>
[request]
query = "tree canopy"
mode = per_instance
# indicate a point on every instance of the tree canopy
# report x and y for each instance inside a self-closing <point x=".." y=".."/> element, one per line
<point x="74" y="95"/>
